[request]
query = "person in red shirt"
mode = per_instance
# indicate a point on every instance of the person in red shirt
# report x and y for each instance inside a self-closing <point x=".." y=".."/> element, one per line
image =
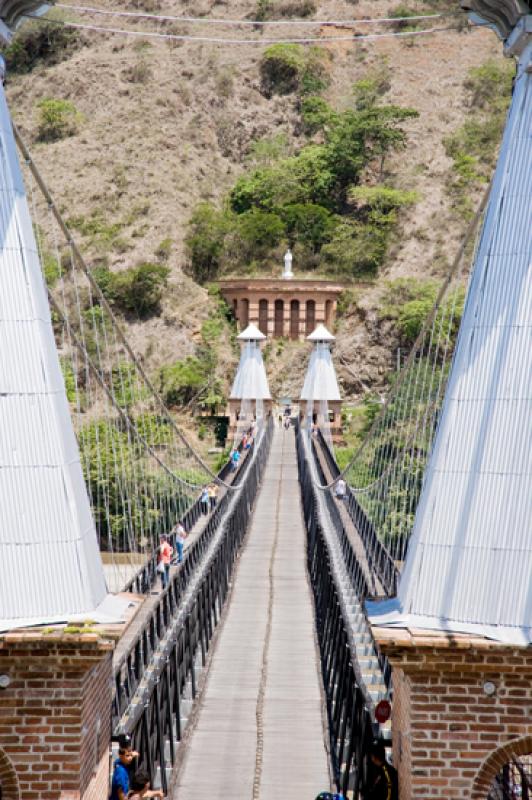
<point x="165" y="556"/>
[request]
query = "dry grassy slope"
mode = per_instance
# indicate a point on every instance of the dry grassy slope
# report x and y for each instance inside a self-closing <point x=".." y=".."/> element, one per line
<point x="174" y="139"/>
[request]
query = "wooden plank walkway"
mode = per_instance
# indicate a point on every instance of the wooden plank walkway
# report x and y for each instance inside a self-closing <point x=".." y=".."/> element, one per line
<point x="259" y="730"/>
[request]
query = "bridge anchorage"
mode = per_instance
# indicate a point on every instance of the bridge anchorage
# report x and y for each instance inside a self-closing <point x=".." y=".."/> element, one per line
<point x="315" y="608"/>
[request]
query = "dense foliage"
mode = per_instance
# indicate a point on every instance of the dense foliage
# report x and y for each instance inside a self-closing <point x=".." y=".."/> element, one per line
<point x="130" y="496"/>
<point x="136" y="290"/>
<point x="313" y="199"/>
<point x="40" y="42"/>
<point x="287" y="68"/>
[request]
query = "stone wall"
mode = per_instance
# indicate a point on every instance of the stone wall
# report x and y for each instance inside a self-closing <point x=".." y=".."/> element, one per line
<point x="451" y="737"/>
<point x="55" y="716"/>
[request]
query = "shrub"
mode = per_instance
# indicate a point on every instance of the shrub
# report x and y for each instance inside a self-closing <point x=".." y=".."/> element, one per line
<point x="379" y="204"/>
<point x="164" y="249"/>
<point x="409" y="302"/>
<point x="51" y="269"/>
<point x="355" y="249"/>
<point x="473" y="147"/>
<point x="315" y="114"/>
<point x="204" y="241"/>
<point x="259" y="231"/>
<point x="57" y="119"/>
<point x="369" y="89"/>
<point x="137" y="290"/>
<point x="287" y="68"/>
<point x="181" y="381"/>
<point x="490" y="85"/>
<point x="268" y="150"/>
<point x="307" y="223"/>
<point x="40" y="41"/>
<point x="296" y="8"/>
<point x="263" y="10"/>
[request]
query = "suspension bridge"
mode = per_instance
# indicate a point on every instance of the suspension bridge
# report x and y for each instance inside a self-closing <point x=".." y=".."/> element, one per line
<point x="311" y="600"/>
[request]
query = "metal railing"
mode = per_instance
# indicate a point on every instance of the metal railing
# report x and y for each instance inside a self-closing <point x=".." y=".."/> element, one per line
<point x="146" y="576"/>
<point x="379" y="559"/>
<point x="350" y="718"/>
<point x="162" y="664"/>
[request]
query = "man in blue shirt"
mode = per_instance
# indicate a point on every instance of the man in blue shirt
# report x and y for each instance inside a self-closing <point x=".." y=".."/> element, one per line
<point x="121" y="773"/>
<point x="123" y="768"/>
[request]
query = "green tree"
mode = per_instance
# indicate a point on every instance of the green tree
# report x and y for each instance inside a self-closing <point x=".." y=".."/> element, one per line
<point x="136" y="290"/>
<point x="205" y="241"/>
<point x="310" y="224"/>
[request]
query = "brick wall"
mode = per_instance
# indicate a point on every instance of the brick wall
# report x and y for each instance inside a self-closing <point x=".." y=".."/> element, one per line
<point x="450" y="738"/>
<point x="60" y="687"/>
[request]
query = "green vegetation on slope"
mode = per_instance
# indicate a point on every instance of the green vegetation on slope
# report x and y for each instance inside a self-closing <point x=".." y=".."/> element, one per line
<point x="312" y="200"/>
<point x="474" y="146"/>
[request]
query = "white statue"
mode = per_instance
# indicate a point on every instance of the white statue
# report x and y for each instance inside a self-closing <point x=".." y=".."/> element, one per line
<point x="287" y="272"/>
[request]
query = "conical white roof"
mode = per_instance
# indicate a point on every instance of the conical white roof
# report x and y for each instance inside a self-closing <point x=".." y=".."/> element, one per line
<point x="320" y="380"/>
<point x="50" y="564"/>
<point x="251" y="334"/>
<point x="321" y="334"/>
<point x="250" y="381"/>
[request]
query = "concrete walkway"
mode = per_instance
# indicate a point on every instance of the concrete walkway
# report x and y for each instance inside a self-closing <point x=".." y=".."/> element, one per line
<point x="259" y="733"/>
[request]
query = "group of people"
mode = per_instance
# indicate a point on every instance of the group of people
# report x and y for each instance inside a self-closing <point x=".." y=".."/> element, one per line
<point x="128" y="782"/>
<point x="166" y="552"/>
<point x="208" y="498"/>
<point x="246" y="443"/>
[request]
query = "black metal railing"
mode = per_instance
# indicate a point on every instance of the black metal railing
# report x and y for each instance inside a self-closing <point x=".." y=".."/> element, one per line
<point x="379" y="559"/>
<point x="179" y="631"/>
<point x="350" y="718"/>
<point x="146" y="576"/>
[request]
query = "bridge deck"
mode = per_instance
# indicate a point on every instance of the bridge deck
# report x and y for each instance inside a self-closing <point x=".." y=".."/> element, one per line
<point x="259" y="729"/>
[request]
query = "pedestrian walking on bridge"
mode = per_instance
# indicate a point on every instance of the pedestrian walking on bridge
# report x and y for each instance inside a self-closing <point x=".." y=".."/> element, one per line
<point x="165" y="556"/>
<point x="180" y="536"/>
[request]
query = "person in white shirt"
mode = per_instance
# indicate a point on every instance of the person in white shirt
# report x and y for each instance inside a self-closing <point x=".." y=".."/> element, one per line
<point x="180" y="536"/>
<point x="340" y="489"/>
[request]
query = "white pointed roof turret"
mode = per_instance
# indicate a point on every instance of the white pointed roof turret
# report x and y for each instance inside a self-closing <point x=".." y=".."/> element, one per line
<point x="251" y="334"/>
<point x="320" y="380"/>
<point x="250" y="381"/>
<point x="321" y="334"/>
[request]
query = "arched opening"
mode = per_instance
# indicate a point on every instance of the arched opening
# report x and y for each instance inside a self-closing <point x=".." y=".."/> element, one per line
<point x="278" y="326"/>
<point x="263" y="317"/>
<point x="513" y="781"/>
<point x="9" y="786"/>
<point x="311" y="317"/>
<point x="507" y="773"/>
<point x="294" y="319"/>
<point x="328" y="313"/>
<point x="244" y="313"/>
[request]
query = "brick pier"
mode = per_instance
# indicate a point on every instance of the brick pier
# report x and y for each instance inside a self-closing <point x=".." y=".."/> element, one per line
<point x="55" y="716"/>
<point x="462" y="709"/>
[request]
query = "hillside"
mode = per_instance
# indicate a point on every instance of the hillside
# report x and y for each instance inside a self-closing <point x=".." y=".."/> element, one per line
<point x="163" y="125"/>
